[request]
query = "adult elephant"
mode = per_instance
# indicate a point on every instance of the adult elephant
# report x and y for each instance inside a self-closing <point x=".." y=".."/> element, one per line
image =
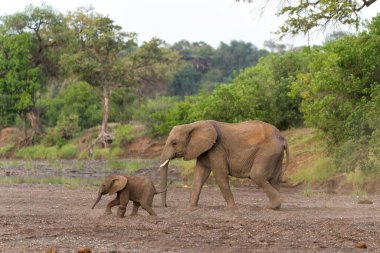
<point x="252" y="149"/>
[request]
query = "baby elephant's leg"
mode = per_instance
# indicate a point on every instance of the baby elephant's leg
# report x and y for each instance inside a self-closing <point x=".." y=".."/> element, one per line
<point x="121" y="211"/>
<point x="136" y="206"/>
<point x="111" y="204"/>
<point x="149" y="209"/>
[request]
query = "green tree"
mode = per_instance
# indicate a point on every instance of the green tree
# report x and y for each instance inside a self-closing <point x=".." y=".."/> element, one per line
<point x="94" y="56"/>
<point x="29" y="42"/>
<point x="340" y="95"/>
<point x="150" y="67"/>
<point x="305" y="15"/>
<point x="236" y="56"/>
<point x="185" y="82"/>
<point x="80" y="99"/>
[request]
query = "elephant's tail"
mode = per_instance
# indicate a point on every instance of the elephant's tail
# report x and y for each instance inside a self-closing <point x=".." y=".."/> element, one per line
<point x="286" y="148"/>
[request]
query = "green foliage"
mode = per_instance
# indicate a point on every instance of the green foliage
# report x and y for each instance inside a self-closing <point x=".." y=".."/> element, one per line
<point x="185" y="82"/>
<point x="129" y="166"/>
<point x="68" y="151"/>
<point x="74" y="183"/>
<point x="236" y="56"/>
<point x="21" y="80"/>
<point x="318" y="171"/>
<point x="5" y="150"/>
<point x="68" y="126"/>
<point x="158" y="114"/>
<point x="79" y="98"/>
<point x="340" y="95"/>
<point x="123" y="135"/>
<point x="260" y="92"/>
<point x="305" y="16"/>
<point x="37" y="152"/>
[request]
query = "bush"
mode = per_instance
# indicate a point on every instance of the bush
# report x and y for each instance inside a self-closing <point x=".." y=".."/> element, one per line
<point x="67" y="152"/>
<point x="123" y="135"/>
<point x="68" y="126"/>
<point x="37" y="152"/>
<point x="82" y="99"/>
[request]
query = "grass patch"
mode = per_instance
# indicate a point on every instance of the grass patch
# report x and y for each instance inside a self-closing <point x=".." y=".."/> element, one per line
<point x="8" y="163"/>
<point x="5" y="150"/>
<point x="129" y="166"/>
<point x="307" y="191"/>
<point x="76" y="183"/>
<point x="67" y="152"/>
<point x="37" y="152"/>
<point x="358" y="179"/>
<point x="186" y="169"/>
<point x="318" y="171"/>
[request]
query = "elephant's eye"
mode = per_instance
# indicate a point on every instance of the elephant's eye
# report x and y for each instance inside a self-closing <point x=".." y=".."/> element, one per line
<point x="174" y="143"/>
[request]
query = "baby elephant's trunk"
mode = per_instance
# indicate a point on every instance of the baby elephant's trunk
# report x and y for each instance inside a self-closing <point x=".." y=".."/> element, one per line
<point x="97" y="201"/>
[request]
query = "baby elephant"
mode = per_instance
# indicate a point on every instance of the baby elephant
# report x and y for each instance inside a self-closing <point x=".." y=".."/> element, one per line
<point x="138" y="189"/>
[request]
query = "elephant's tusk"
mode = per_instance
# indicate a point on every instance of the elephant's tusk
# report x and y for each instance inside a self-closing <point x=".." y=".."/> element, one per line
<point x="164" y="163"/>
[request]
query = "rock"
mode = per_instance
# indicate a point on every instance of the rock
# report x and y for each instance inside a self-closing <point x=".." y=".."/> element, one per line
<point x="361" y="245"/>
<point x="84" y="250"/>
<point x="365" y="201"/>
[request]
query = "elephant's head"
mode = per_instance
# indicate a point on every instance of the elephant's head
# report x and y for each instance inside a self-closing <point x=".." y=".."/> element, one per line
<point x="111" y="184"/>
<point x="188" y="141"/>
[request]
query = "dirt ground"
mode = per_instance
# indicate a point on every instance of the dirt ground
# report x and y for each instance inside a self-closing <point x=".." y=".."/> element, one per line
<point x="35" y="218"/>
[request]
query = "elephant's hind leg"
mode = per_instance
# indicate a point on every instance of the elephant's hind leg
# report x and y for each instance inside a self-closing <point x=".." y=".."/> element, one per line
<point x="149" y="210"/>
<point x="136" y="206"/>
<point x="261" y="180"/>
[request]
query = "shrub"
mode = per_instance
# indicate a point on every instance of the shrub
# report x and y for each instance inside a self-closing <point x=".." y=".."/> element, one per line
<point x="67" y="152"/>
<point x="123" y="135"/>
<point x="67" y="126"/>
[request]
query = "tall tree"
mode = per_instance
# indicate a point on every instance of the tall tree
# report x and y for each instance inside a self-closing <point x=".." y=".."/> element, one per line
<point x="236" y="56"/>
<point x="305" y="15"/>
<point x="95" y="56"/>
<point x="106" y="57"/>
<point x="28" y="40"/>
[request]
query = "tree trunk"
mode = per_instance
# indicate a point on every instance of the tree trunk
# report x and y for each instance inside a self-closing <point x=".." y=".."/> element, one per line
<point x="35" y="121"/>
<point x="106" y="99"/>
<point x="105" y="138"/>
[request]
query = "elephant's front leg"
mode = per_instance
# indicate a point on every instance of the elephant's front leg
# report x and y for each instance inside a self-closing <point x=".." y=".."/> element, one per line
<point x="112" y="203"/>
<point x="124" y="199"/>
<point x="222" y="180"/>
<point x="201" y="174"/>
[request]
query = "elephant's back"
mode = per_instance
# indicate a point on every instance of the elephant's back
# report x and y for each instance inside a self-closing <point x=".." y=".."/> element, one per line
<point x="251" y="133"/>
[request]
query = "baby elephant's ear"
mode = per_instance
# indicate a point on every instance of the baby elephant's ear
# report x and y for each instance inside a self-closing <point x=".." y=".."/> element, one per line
<point x="119" y="182"/>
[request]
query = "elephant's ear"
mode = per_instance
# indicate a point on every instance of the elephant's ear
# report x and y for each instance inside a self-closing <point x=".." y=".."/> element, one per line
<point x="202" y="137"/>
<point x="119" y="182"/>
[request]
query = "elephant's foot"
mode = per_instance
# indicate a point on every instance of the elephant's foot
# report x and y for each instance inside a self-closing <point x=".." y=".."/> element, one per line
<point x="192" y="208"/>
<point x="108" y="212"/>
<point x="121" y="212"/>
<point x="231" y="207"/>
<point x="275" y="205"/>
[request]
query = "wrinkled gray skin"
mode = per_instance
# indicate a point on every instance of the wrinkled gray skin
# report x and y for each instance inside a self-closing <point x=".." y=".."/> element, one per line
<point x="252" y="149"/>
<point x="138" y="189"/>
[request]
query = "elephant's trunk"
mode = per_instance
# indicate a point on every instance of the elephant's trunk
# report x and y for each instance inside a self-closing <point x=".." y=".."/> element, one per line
<point x="164" y="179"/>
<point x="97" y="200"/>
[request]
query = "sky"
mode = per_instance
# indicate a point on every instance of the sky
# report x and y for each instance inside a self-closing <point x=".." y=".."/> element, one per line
<point x="211" y="21"/>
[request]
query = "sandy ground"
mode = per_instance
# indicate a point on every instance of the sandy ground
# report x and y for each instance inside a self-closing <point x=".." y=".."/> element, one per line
<point x="35" y="218"/>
